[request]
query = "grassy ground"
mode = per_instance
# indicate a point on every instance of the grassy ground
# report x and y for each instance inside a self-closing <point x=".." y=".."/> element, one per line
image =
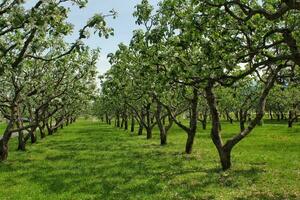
<point x="89" y="160"/>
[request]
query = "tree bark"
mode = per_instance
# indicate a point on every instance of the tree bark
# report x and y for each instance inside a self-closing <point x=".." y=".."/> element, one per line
<point x="132" y="124"/>
<point x="141" y="124"/>
<point x="125" y="122"/>
<point x="162" y="130"/>
<point x="148" y="121"/>
<point x="225" y="149"/>
<point x="193" y="122"/>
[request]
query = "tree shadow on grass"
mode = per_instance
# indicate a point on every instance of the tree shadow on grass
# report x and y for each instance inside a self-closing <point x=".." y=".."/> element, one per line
<point x="107" y="165"/>
<point x="265" y="196"/>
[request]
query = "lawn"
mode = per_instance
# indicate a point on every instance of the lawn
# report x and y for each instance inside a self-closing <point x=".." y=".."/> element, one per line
<point x="90" y="160"/>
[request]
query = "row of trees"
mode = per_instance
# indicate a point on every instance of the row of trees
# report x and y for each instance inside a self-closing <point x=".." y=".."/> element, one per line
<point x="45" y="82"/>
<point x="204" y="60"/>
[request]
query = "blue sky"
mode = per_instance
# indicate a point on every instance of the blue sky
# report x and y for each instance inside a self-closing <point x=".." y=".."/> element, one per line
<point x="123" y="25"/>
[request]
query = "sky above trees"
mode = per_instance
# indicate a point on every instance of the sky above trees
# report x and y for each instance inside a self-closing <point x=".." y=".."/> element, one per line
<point x="123" y="25"/>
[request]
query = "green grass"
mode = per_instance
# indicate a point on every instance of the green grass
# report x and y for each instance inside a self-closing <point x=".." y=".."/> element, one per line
<point x="89" y="160"/>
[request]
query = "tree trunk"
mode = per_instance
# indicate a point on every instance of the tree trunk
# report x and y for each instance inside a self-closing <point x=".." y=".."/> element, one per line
<point x="225" y="149"/>
<point x="229" y="117"/>
<point x="126" y="122"/>
<point x="41" y="128"/>
<point x="3" y="150"/>
<point x="122" y="122"/>
<point x="292" y="118"/>
<point x="189" y="143"/>
<point x="193" y="122"/>
<point x="148" y="120"/>
<point x="271" y="115"/>
<point x="132" y="123"/>
<point x="278" y="117"/>
<point x="141" y="124"/>
<point x="225" y="158"/>
<point x="106" y="118"/>
<point x="162" y="130"/>
<point x="243" y="118"/>
<point x="21" y="141"/>
<point x="236" y="115"/>
<point x="4" y="141"/>
<point x="141" y="127"/>
<point x="149" y="132"/>
<point x="49" y="129"/>
<point x="204" y="123"/>
<point x="32" y="135"/>
<point x="282" y="116"/>
<point x="118" y="120"/>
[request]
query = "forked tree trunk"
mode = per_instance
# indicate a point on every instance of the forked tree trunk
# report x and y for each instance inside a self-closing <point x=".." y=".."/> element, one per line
<point x="225" y="158"/>
<point x="191" y="130"/>
<point x="225" y="149"/>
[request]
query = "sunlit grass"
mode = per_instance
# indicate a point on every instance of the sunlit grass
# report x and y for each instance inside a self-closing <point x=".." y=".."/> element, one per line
<point x="89" y="160"/>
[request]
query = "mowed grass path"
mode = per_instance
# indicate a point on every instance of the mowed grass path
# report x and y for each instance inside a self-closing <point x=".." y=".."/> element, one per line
<point x="89" y="160"/>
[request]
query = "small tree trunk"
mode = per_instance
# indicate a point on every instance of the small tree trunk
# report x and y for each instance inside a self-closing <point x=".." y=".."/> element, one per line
<point x="148" y="120"/>
<point x="126" y="122"/>
<point x="106" y="118"/>
<point x="132" y="124"/>
<point x="149" y="132"/>
<point x="3" y="150"/>
<point x="193" y="122"/>
<point x="162" y="130"/>
<point x="41" y="128"/>
<point x="50" y="131"/>
<point x="122" y="122"/>
<point x="204" y="123"/>
<point x="237" y="116"/>
<point x="282" y="116"/>
<point x="32" y="135"/>
<point x="4" y="141"/>
<point x="189" y="143"/>
<point x="290" y="120"/>
<point x="278" y="117"/>
<point x="271" y="115"/>
<point x="21" y="141"/>
<point x="141" y="127"/>
<point x="118" y="120"/>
